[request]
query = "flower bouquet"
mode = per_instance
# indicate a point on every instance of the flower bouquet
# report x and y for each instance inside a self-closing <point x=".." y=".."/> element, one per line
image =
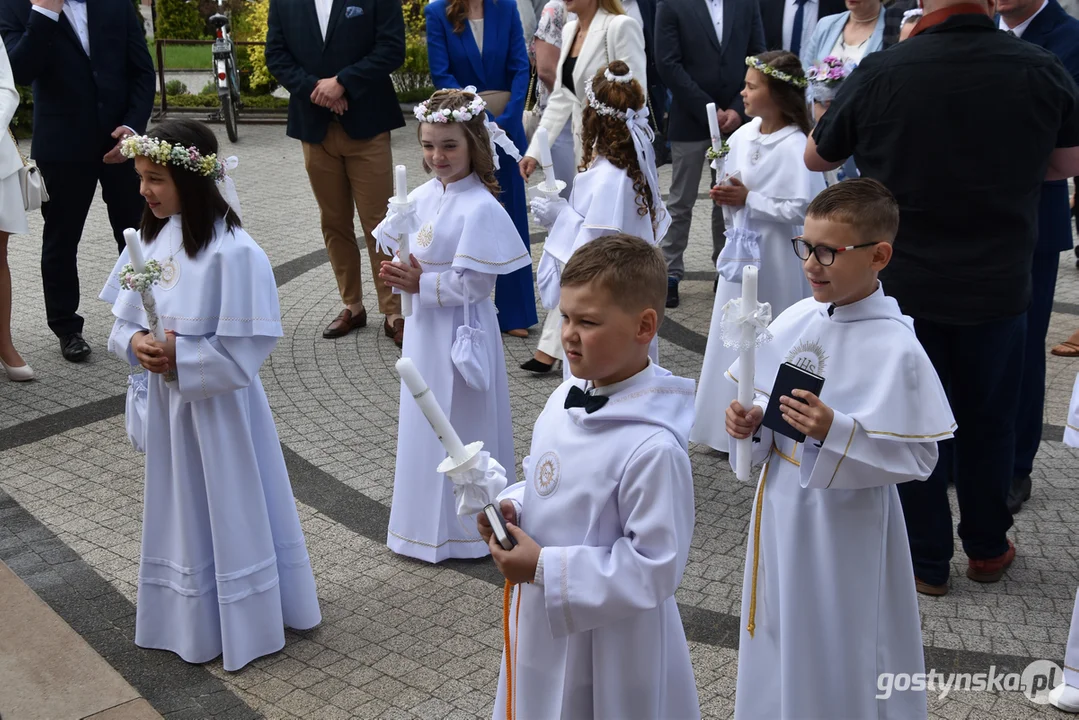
<point x="826" y="76"/>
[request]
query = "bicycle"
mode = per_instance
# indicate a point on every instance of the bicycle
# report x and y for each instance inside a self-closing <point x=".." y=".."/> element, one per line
<point x="226" y="76"/>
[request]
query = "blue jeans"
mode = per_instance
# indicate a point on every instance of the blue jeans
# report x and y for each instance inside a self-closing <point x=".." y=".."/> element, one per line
<point x="980" y="367"/>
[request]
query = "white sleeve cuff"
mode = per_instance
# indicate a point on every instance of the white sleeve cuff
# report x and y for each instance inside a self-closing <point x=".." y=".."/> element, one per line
<point x="538" y="579"/>
<point x="47" y="13"/>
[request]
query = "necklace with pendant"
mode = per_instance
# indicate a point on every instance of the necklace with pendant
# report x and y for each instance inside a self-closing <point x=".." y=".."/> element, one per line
<point x="170" y="269"/>
<point x="756" y="156"/>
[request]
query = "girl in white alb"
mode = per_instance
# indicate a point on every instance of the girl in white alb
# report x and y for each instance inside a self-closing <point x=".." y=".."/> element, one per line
<point x="764" y="199"/>
<point x="224" y="566"/>
<point x="616" y="192"/>
<point x="464" y="242"/>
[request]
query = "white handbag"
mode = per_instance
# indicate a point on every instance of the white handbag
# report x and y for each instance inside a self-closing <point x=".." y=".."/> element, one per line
<point x="34" y="194"/>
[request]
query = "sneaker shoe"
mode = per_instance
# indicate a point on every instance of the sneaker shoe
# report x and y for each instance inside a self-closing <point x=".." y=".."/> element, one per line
<point x="991" y="570"/>
<point x="672" y="292"/>
<point x="1065" y="697"/>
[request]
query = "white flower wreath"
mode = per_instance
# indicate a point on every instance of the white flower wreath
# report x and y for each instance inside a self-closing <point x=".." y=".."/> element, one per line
<point x="755" y="63"/>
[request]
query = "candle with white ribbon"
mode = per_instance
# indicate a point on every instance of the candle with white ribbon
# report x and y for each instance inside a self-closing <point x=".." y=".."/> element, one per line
<point x="543" y="142"/>
<point x="138" y="262"/>
<point x="417" y="386"/>
<point x="713" y="128"/>
<point x="746" y="360"/>
<point x="400" y="197"/>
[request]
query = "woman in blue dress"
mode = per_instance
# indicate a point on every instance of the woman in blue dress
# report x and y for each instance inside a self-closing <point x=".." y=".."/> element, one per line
<point x="481" y="43"/>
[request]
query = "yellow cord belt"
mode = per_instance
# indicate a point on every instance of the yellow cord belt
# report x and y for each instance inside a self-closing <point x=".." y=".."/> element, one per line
<point x="507" y="592"/>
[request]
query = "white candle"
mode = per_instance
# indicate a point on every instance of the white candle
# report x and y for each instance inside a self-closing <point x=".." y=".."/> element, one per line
<point x="404" y="253"/>
<point x="746" y="361"/>
<point x="134" y="250"/>
<point x="400" y="186"/>
<point x="713" y="127"/>
<point x="543" y="142"/>
<point x="431" y="410"/>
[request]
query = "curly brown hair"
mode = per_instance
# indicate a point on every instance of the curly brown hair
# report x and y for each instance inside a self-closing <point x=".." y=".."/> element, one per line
<point x="479" y="144"/>
<point x="790" y="100"/>
<point x="608" y="136"/>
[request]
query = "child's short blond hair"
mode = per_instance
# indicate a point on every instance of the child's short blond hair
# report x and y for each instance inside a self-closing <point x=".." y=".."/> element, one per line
<point x="630" y="269"/>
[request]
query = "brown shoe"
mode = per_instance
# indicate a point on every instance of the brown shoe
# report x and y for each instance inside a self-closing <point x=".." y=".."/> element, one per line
<point x="345" y="323"/>
<point x="926" y="589"/>
<point x="991" y="570"/>
<point x="395" y="331"/>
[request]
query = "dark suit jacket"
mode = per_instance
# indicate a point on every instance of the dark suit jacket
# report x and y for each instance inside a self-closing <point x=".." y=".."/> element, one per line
<point x="657" y="91"/>
<point x="772" y="17"/>
<point x="456" y="62"/>
<point x="697" y="71"/>
<point x="365" y="42"/>
<point x="80" y="100"/>
<point x="1057" y="32"/>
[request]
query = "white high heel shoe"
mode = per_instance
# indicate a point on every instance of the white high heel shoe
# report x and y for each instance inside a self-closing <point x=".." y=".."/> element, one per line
<point x="23" y="373"/>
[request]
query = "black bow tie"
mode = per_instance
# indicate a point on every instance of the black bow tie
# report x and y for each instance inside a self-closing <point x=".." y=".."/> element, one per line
<point x="579" y="398"/>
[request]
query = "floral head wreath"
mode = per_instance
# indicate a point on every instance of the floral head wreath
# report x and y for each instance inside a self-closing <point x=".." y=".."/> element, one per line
<point x="476" y="107"/>
<point x="164" y="153"/>
<point x="761" y="67"/>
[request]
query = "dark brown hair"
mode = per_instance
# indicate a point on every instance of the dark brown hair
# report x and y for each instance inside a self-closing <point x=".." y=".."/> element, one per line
<point x="864" y="204"/>
<point x="608" y="136"/>
<point x="201" y="203"/>
<point x="479" y="144"/>
<point x="630" y="269"/>
<point x="790" y="100"/>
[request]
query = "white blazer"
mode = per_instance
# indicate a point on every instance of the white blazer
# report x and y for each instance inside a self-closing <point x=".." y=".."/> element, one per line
<point x="620" y="36"/>
<point x="10" y="160"/>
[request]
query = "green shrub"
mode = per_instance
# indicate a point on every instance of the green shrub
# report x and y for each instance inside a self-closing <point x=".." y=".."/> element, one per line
<point x="23" y="122"/>
<point x="178" y="20"/>
<point x="415" y="74"/>
<point x="251" y="102"/>
<point x="209" y="88"/>
<point x="175" y="87"/>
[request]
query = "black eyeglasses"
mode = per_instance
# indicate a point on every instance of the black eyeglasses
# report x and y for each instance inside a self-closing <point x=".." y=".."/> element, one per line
<point x="825" y="255"/>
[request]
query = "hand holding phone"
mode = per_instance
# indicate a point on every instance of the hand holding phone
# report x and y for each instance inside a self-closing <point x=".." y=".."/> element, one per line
<point x="497" y="523"/>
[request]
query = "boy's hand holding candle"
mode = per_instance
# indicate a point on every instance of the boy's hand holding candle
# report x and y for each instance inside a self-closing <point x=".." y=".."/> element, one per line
<point x="732" y="193"/>
<point x="741" y="424"/>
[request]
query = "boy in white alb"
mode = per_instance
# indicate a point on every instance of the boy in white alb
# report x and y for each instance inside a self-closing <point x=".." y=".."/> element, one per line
<point x="1066" y="695"/>
<point x="828" y="598"/>
<point x="605" y="511"/>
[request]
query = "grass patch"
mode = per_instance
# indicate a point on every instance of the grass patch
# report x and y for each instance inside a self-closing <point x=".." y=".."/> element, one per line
<point x="184" y="57"/>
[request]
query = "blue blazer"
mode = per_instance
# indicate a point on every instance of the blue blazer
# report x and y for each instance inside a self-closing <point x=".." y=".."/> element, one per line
<point x="456" y="62"/>
<point x="79" y="100"/>
<point x="1057" y="32"/>
<point x="827" y="32"/>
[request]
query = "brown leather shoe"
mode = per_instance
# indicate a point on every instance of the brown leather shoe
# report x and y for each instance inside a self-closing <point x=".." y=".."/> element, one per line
<point x="926" y="589"/>
<point x="991" y="570"/>
<point x="345" y="323"/>
<point x="395" y="331"/>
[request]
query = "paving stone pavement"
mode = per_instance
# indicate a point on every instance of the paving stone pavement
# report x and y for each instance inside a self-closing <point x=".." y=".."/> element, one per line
<point x="401" y="639"/>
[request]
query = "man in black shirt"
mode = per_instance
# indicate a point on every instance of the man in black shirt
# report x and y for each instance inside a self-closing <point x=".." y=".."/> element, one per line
<point x="924" y="119"/>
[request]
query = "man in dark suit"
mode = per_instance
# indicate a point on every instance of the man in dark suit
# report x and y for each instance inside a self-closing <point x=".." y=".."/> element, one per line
<point x="1047" y="26"/>
<point x="701" y="49"/>
<point x="657" y="91"/>
<point x="335" y="58"/>
<point x="93" y="86"/>
<point x="788" y="24"/>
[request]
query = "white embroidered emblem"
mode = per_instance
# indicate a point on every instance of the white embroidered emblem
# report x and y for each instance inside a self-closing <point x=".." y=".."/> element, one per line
<point x="170" y="274"/>
<point x="809" y="356"/>
<point x="548" y="473"/>
<point x="426" y="235"/>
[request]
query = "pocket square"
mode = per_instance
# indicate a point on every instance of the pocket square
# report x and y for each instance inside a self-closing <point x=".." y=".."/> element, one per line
<point x="353" y="11"/>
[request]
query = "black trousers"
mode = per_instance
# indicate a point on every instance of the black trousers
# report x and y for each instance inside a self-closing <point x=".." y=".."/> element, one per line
<point x="72" y="186"/>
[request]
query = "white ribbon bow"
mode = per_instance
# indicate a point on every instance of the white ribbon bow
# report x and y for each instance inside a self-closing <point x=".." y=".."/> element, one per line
<point x="643" y="137"/>
<point x="734" y="320"/>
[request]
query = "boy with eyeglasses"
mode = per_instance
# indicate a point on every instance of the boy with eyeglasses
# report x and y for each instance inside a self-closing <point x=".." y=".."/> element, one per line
<point x="828" y="598"/>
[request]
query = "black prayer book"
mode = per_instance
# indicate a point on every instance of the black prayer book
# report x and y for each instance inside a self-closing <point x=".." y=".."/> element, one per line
<point x="788" y="379"/>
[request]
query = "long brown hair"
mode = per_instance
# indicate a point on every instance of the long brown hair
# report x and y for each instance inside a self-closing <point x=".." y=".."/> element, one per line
<point x="479" y="144"/>
<point x="201" y="203"/>
<point x="790" y="100"/>
<point x="609" y="136"/>
<point x="457" y="14"/>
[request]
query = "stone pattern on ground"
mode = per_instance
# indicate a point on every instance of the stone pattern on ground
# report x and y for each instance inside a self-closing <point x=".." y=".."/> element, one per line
<point x="401" y="639"/>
